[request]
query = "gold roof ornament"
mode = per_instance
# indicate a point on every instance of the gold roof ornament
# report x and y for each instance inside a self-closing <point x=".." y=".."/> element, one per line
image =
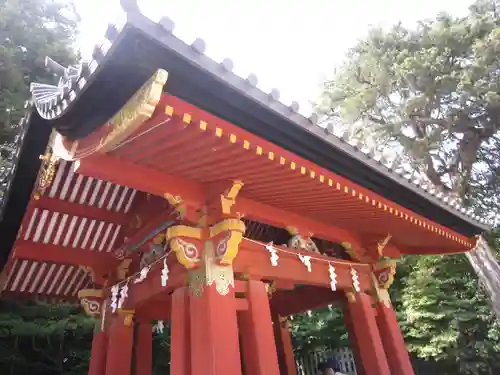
<point x="382" y="244"/>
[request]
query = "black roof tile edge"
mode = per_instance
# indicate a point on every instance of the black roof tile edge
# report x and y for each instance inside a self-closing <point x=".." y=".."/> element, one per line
<point x="33" y="141"/>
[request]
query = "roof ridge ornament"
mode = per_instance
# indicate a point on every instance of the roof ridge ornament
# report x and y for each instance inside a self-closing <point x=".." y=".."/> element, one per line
<point x="46" y="95"/>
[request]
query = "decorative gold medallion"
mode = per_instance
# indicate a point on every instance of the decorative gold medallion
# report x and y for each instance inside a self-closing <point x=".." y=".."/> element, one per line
<point x="47" y="169"/>
<point x="91" y="301"/>
<point x="228" y="235"/>
<point x="211" y="273"/>
<point x="384" y="273"/>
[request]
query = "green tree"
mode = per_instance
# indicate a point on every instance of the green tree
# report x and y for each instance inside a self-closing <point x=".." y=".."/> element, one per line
<point x="431" y="91"/>
<point x="446" y="315"/>
<point x="161" y="352"/>
<point x="42" y="338"/>
<point x="35" y="338"/>
<point x="319" y="330"/>
<point x="431" y="96"/>
<point x="29" y="31"/>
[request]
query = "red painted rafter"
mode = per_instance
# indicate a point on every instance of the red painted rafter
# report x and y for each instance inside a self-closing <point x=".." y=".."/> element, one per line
<point x="194" y="145"/>
<point x="76" y="209"/>
<point x="140" y="178"/>
<point x="155" y="182"/>
<point x="103" y="265"/>
<point x="64" y="255"/>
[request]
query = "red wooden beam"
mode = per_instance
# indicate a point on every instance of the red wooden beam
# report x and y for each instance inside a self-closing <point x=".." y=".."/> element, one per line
<point x="151" y="288"/>
<point x="99" y="261"/>
<point x="155" y="309"/>
<point x="109" y="168"/>
<point x="304" y="298"/>
<point x="253" y="258"/>
<point x="280" y="218"/>
<point x="149" y="180"/>
<point x="76" y="209"/>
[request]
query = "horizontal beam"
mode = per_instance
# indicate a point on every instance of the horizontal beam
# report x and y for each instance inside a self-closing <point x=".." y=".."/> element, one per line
<point x="254" y="259"/>
<point x="287" y="303"/>
<point x="280" y="218"/>
<point x="150" y="288"/>
<point x="154" y="309"/>
<point x="144" y="179"/>
<point x="155" y="182"/>
<point x="76" y="209"/>
<point x="64" y="255"/>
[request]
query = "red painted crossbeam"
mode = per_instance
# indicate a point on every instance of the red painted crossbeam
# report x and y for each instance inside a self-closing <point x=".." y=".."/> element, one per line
<point x="64" y="255"/>
<point x="76" y="209"/>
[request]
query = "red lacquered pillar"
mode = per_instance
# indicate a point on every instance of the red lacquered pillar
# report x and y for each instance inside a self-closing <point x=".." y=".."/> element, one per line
<point x="365" y="329"/>
<point x="392" y="338"/>
<point x="97" y="364"/>
<point x="354" y="343"/>
<point x="284" y="346"/>
<point x="214" y="332"/>
<point x="143" y="349"/>
<point x="120" y="341"/>
<point x="256" y="327"/>
<point x="180" y="354"/>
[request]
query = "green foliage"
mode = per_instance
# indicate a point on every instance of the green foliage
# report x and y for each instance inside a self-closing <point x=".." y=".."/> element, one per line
<point x="161" y="352"/>
<point x="319" y="330"/>
<point x="431" y="94"/>
<point x="446" y="315"/>
<point x="36" y="338"/>
<point x="43" y="338"/>
<point x="432" y="91"/>
<point x="29" y="31"/>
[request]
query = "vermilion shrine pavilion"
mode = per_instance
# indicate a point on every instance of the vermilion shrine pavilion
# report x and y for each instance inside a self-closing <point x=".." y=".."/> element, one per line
<point x="170" y="189"/>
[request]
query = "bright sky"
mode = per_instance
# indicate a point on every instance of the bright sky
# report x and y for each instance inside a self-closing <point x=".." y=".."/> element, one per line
<point x="291" y="45"/>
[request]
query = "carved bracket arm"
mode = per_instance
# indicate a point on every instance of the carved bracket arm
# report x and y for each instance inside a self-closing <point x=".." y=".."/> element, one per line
<point x="91" y="301"/>
<point x="186" y="242"/>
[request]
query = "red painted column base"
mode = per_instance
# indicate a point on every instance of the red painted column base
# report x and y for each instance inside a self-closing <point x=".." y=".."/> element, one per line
<point x="256" y="329"/>
<point x="120" y="342"/>
<point x="392" y="338"/>
<point x="215" y="348"/>
<point x="284" y="347"/>
<point x="143" y="349"/>
<point x="354" y="343"/>
<point x="180" y="353"/>
<point x="97" y="364"/>
<point x="371" y="350"/>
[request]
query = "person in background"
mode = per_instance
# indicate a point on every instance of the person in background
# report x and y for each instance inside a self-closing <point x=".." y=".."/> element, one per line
<point x="329" y="367"/>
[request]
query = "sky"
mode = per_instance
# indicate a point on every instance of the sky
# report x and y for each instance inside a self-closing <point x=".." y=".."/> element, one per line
<point x="290" y="45"/>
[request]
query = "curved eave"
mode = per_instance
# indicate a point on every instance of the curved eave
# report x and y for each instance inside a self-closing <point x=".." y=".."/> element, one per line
<point x="201" y="81"/>
<point x="34" y="138"/>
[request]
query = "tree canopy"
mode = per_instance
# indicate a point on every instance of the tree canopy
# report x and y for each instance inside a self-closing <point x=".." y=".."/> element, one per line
<point x="35" y="338"/>
<point x="29" y="31"/>
<point x="42" y="338"/>
<point x="432" y="91"/>
<point x="430" y="94"/>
